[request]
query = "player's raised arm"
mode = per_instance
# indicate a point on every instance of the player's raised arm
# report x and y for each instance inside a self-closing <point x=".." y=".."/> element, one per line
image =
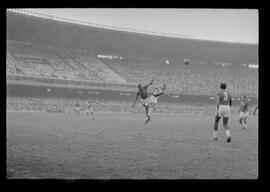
<point x="256" y="108"/>
<point x="151" y="82"/>
<point x="135" y="99"/>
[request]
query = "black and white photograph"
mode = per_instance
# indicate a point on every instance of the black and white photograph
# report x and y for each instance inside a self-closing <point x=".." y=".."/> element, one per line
<point x="132" y="93"/>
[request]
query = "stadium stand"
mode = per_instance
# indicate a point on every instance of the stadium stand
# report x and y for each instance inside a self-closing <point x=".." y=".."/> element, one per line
<point x="195" y="78"/>
<point x="58" y="63"/>
<point x="68" y="51"/>
<point x="94" y="64"/>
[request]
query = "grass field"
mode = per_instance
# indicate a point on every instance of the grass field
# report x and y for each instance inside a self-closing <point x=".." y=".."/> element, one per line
<point x="120" y="146"/>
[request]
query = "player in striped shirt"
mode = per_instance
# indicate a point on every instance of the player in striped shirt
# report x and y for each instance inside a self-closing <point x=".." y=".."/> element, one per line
<point x="90" y="108"/>
<point x="224" y="103"/>
<point x="243" y="112"/>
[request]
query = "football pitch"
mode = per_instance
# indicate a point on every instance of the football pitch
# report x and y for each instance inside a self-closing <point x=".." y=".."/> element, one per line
<point x="121" y="146"/>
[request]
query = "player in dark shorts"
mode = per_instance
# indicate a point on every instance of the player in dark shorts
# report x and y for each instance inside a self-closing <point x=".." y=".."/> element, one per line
<point x="90" y="108"/>
<point x="147" y="99"/>
<point x="224" y="103"/>
<point x="243" y="112"/>
<point x="256" y="108"/>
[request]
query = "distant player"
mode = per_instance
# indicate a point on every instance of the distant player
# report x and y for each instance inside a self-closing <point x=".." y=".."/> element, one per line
<point x="90" y="108"/>
<point x="256" y="108"/>
<point x="224" y="102"/>
<point x="147" y="99"/>
<point x="243" y="112"/>
<point x="78" y="108"/>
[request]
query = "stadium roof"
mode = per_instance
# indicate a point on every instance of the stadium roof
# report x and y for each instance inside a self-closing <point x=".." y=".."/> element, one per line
<point x="49" y="31"/>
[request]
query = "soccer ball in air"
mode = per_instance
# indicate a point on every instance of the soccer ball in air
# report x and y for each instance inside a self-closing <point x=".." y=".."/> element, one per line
<point x="186" y="61"/>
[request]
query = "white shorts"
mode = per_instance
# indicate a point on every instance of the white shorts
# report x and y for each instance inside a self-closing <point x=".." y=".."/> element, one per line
<point x="90" y="109"/>
<point x="153" y="99"/>
<point x="145" y="102"/>
<point x="77" y="108"/>
<point x="149" y="100"/>
<point x="224" y="111"/>
<point x="243" y="114"/>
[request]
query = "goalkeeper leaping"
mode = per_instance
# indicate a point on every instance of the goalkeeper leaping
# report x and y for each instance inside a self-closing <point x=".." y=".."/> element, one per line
<point x="147" y="99"/>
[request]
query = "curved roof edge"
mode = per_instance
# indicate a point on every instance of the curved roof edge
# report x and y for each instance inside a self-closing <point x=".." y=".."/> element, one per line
<point x="37" y="15"/>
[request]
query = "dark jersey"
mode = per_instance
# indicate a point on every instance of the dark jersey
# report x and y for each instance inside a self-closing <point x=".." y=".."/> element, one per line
<point x="77" y="105"/>
<point x="244" y="106"/>
<point x="224" y="98"/>
<point x="143" y="92"/>
<point x="89" y="105"/>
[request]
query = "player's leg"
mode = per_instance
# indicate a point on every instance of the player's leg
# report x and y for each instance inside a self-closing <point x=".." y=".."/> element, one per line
<point x="146" y="104"/>
<point x="143" y="102"/>
<point x="224" y="110"/>
<point x="92" y="114"/>
<point x="241" y="119"/>
<point x="245" y="120"/>
<point x="227" y="130"/>
<point x="154" y="106"/>
<point x="217" y="118"/>
<point x="158" y="94"/>
<point x="147" y="112"/>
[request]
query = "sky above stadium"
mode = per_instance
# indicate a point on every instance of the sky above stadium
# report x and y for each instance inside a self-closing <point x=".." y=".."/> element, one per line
<point x="231" y="25"/>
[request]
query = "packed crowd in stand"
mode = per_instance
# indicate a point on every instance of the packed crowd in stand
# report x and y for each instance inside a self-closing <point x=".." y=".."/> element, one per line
<point x="193" y="78"/>
<point x="57" y="63"/>
<point x="197" y="78"/>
